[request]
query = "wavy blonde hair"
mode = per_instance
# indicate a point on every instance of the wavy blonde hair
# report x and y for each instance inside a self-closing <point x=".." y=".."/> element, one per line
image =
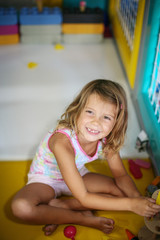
<point x="109" y="91"/>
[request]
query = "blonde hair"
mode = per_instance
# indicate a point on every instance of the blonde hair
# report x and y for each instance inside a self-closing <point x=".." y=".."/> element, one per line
<point x="109" y="91"/>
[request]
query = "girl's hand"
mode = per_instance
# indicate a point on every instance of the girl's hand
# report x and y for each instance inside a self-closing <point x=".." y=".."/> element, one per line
<point x="144" y="206"/>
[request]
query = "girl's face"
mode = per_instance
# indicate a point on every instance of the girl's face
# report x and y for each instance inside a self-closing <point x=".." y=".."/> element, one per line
<point x="96" y="120"/>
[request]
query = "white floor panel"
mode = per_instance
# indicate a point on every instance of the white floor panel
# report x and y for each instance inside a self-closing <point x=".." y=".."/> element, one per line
<point x="32" y="100"/>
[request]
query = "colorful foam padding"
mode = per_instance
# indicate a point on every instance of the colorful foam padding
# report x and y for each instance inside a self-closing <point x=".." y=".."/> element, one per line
<point x="31" y="16"/>
<point x="40" y="27"/>
<point x="90" y="15"/>
<point x="8" y="26"/>
<point x="83" y="26"/>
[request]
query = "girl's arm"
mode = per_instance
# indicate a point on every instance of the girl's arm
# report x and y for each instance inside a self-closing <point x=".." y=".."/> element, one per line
<point x="64" y="153"/>
<point x="122" y="179"/>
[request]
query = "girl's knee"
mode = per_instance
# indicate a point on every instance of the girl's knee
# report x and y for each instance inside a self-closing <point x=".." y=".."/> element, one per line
<point x="22" y="209"/>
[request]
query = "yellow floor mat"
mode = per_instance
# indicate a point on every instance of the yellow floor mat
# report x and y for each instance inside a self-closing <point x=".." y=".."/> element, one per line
<point x="13" y="176"/>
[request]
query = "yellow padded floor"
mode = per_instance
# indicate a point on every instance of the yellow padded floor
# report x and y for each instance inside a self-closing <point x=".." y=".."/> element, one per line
<point x="13" y="176"/>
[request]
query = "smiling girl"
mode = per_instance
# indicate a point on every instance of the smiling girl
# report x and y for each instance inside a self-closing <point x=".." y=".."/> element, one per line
<point x="93" y="126"/>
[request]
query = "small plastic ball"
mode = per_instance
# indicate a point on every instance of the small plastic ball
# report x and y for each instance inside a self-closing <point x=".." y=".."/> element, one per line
<point x="70" y="231"/>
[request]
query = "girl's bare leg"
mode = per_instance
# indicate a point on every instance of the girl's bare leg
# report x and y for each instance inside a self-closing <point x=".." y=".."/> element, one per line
<point x="99" y="183"/>
<point x="31" y="204"/>
<point x="96" y="183"/>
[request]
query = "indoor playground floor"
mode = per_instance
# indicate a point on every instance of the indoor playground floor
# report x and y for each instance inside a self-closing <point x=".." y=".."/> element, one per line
<point x="13" y="177"/>
<point x="37" y="82"/>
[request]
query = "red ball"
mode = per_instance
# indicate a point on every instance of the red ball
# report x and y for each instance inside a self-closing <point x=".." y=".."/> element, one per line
<point x="70" y="231"/>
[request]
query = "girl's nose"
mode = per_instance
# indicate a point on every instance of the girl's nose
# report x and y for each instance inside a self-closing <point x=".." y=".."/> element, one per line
<point x="96" y="121"/>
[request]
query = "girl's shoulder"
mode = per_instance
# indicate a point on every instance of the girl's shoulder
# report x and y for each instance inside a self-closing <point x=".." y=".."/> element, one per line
<point x="61" y="137"/>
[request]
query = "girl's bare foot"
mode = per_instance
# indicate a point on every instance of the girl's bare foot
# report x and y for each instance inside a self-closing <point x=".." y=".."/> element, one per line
<point x="49" y="229"/>
<point x="103" y="224"/>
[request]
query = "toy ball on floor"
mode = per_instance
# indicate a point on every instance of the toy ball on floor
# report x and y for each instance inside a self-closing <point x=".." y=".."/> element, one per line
<point x="70" y="232"/>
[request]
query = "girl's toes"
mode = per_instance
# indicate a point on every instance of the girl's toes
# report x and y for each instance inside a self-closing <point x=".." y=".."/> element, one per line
<point x="49" y="229"/>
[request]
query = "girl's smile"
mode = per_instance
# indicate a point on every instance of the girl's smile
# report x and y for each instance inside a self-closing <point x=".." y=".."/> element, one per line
<point x="94" y="132"/>
<point x="96" y="120"/>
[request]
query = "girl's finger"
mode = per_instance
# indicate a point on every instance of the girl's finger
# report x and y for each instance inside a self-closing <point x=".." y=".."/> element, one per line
<point x="151" y="200"/>
<point x="155" y="206"/>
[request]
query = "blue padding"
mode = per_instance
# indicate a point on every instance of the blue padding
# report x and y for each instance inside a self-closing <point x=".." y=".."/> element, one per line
<point x="8" y="16"/>
<point x="31" y="16"/>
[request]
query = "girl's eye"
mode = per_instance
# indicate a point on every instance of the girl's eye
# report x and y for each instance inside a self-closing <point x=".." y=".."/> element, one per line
<point x="107" y="118"/>
<point x="89" y="111"/>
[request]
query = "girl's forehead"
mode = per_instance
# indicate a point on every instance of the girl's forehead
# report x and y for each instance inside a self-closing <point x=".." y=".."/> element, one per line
<point x="95" y="101"/>
<point x="95" y="98"/>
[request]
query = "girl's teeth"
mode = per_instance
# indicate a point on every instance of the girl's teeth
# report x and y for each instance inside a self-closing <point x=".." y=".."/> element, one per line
<point x="92" y="131"/>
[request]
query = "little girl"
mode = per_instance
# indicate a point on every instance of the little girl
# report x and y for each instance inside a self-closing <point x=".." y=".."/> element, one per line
<point x="92" y="127"/>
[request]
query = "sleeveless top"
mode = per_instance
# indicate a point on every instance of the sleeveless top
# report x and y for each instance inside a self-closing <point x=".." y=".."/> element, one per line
<point x="45" y="162"/>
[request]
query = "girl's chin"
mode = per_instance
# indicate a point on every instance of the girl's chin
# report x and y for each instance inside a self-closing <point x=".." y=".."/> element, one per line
<point x="92" y="137"/>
